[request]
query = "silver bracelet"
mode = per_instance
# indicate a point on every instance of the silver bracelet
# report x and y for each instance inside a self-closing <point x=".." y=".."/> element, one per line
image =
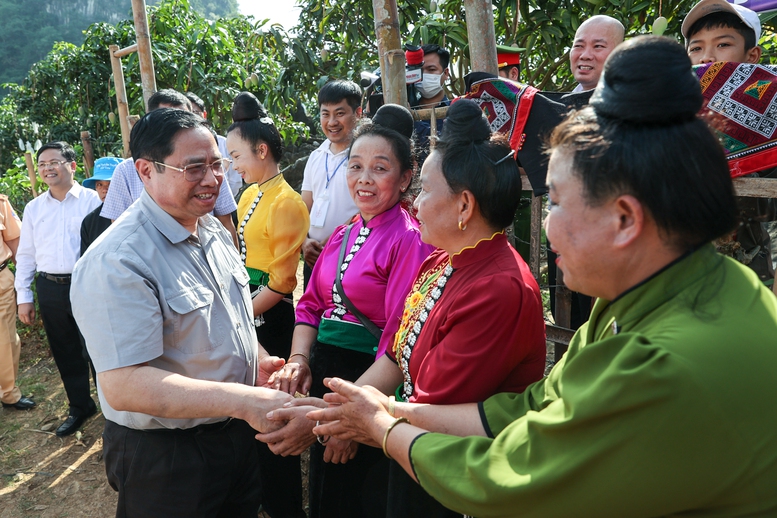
<point x="320" y="438"/>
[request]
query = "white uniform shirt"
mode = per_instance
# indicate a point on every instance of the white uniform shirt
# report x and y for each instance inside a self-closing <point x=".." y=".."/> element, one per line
<point x="51" y="236"/>
<point x="232" y="177"/>
<point x="340" y="205"/>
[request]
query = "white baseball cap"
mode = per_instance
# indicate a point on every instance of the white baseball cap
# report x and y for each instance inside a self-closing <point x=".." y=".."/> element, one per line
<point x="705" y="7"/>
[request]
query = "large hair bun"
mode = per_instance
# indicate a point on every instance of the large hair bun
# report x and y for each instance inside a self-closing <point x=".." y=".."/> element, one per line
<point x="396" y="117"/>
<point x="247" y="107"/>
<point x="648" y="79"/>
<point x="465" y="123"/>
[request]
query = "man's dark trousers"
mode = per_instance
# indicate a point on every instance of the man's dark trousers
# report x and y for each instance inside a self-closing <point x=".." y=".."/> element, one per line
<point x="65" y="342"/>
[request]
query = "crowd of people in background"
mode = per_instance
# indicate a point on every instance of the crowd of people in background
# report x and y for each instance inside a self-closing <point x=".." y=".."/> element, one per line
<point x="413" y="366"/>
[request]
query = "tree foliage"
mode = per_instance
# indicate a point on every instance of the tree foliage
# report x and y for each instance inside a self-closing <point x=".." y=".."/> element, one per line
<point x="71" y="89"/>
<point x="31" y="27"/>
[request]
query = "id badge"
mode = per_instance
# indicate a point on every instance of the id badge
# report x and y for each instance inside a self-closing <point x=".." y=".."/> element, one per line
<point x="318" y="211"/>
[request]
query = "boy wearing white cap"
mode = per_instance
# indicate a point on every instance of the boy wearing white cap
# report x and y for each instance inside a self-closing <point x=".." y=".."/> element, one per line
<point x="716" y="30"/>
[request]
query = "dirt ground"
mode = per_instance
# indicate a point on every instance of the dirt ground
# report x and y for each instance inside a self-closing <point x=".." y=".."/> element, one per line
<point x="42" y="475"/>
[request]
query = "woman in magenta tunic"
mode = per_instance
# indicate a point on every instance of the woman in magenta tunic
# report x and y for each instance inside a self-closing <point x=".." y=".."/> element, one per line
<point x="376" y="258"/>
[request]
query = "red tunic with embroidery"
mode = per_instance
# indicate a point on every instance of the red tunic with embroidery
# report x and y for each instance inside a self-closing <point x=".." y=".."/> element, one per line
<point x="484" y="335"/>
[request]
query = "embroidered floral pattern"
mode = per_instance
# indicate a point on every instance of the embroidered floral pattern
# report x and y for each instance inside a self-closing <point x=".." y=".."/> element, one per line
<point x="242" y="226"/>
<point x="340" y="310"/>
<point x="427" y="290"/>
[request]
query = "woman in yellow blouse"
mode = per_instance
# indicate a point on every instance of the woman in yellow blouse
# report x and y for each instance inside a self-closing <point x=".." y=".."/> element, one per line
<point x="272" y="224"/>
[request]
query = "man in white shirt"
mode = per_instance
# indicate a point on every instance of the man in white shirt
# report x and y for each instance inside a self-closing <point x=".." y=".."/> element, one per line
<point x="50" y="244"/>
<point x="324" y="185"/>
<point x="594" y="40"/>
<point x="126" y="185"/>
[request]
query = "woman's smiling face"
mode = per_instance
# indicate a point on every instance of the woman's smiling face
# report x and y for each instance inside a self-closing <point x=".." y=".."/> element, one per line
<point x="375" y="180"/>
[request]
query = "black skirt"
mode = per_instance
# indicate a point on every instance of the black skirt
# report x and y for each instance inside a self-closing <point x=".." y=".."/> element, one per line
<point x="357" y="488"/>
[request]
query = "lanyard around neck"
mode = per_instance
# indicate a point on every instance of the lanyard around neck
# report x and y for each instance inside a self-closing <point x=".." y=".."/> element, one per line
<point x="326" y="168"/>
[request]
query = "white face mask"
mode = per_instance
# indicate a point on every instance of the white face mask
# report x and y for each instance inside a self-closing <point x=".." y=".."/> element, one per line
<point x="430" y="85"/>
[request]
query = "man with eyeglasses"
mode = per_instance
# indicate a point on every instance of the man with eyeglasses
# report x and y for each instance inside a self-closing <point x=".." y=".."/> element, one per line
<point x="126" y="185"/>
<point x="164" y="306"/>
<point x="50" y="244"/>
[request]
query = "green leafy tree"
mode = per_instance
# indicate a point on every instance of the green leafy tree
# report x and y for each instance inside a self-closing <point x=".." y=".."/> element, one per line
<point x="31" y="27"/>
<point x="71" y="89"/>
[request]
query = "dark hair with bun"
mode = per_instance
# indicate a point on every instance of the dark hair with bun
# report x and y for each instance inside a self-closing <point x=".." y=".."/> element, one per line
<point x="395" y="124"/>
<point x="255" y="125"/>
<point x="475" y="160"/>
<point x="642" y="136"/>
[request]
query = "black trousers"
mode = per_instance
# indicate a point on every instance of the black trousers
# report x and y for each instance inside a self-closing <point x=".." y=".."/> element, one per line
<point x="281" y="476"/>
<point x="66" y="344"/>
<point x="407" y="499"/>
<point x="206" y="472"/>
<point x="356" y="489"/>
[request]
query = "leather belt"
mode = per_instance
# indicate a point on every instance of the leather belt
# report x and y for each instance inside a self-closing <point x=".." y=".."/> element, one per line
<point x="62" y="278"/>
<point x="4" y="264"/>
<point x="220" y="426"/>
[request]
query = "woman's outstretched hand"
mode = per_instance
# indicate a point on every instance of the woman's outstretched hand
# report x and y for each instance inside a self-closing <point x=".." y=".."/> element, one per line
<point x="355" y="413"/>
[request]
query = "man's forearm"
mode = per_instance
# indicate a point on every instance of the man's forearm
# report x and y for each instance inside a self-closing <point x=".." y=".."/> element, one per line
<point x="160" y="393"/>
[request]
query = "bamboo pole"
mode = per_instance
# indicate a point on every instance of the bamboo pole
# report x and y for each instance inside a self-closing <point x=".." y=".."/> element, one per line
<point x="121" y="98"/>
<point x="425" y="114"/>
<point x="481" y="37"/>
<point x="86" y="142"/>
<point x="31" y="173"/>
<point x="392" y="58"/>
<point x="126" y="51"/>
<point x="756" y="187"/>
<point x="147" y="76"/>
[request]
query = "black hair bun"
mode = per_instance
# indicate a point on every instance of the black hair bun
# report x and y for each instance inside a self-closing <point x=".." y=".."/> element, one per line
<point x="396" y="117"/>
<point x="648" y="80"/>
<point x="465" y="123"/>
<point x="247" y="107"/>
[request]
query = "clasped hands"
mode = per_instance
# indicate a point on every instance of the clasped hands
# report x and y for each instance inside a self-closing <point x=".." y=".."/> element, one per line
<point x="342" y="417"/>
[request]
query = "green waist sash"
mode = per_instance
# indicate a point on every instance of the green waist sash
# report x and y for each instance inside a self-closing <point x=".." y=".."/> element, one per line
<point x="258" y="277"/>
<point x="347" y="335"/>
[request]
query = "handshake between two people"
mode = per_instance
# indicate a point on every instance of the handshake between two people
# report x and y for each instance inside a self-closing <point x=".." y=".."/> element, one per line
<point x="294" y="425"/>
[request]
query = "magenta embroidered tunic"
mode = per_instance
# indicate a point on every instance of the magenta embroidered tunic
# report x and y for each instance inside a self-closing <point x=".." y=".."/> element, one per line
<point x="378" y="277"/>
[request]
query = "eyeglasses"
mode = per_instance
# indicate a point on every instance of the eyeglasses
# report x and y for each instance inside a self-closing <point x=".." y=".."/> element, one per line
<point x="196" y="172"/>
<point x="52" y="164"/>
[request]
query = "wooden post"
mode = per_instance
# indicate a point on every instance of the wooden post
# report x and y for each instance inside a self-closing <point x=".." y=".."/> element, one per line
<point x="31" y="173"/>
<point x="121" y="97"/>
<point x="86" y="141"/>
<point x="147" y="76"/>
<point x="392" y="57"/>
<point x="563" y="312"/>
<point x="480" y="33"/>
<point x="535" y="239"/>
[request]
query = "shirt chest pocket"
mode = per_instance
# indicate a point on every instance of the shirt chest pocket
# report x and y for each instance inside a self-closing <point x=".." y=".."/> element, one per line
<point x="240" y="278"/>
<point x="197" y="326"/>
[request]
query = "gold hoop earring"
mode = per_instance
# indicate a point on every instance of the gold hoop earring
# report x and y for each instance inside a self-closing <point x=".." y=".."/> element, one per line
<point x="462" y="226"/>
